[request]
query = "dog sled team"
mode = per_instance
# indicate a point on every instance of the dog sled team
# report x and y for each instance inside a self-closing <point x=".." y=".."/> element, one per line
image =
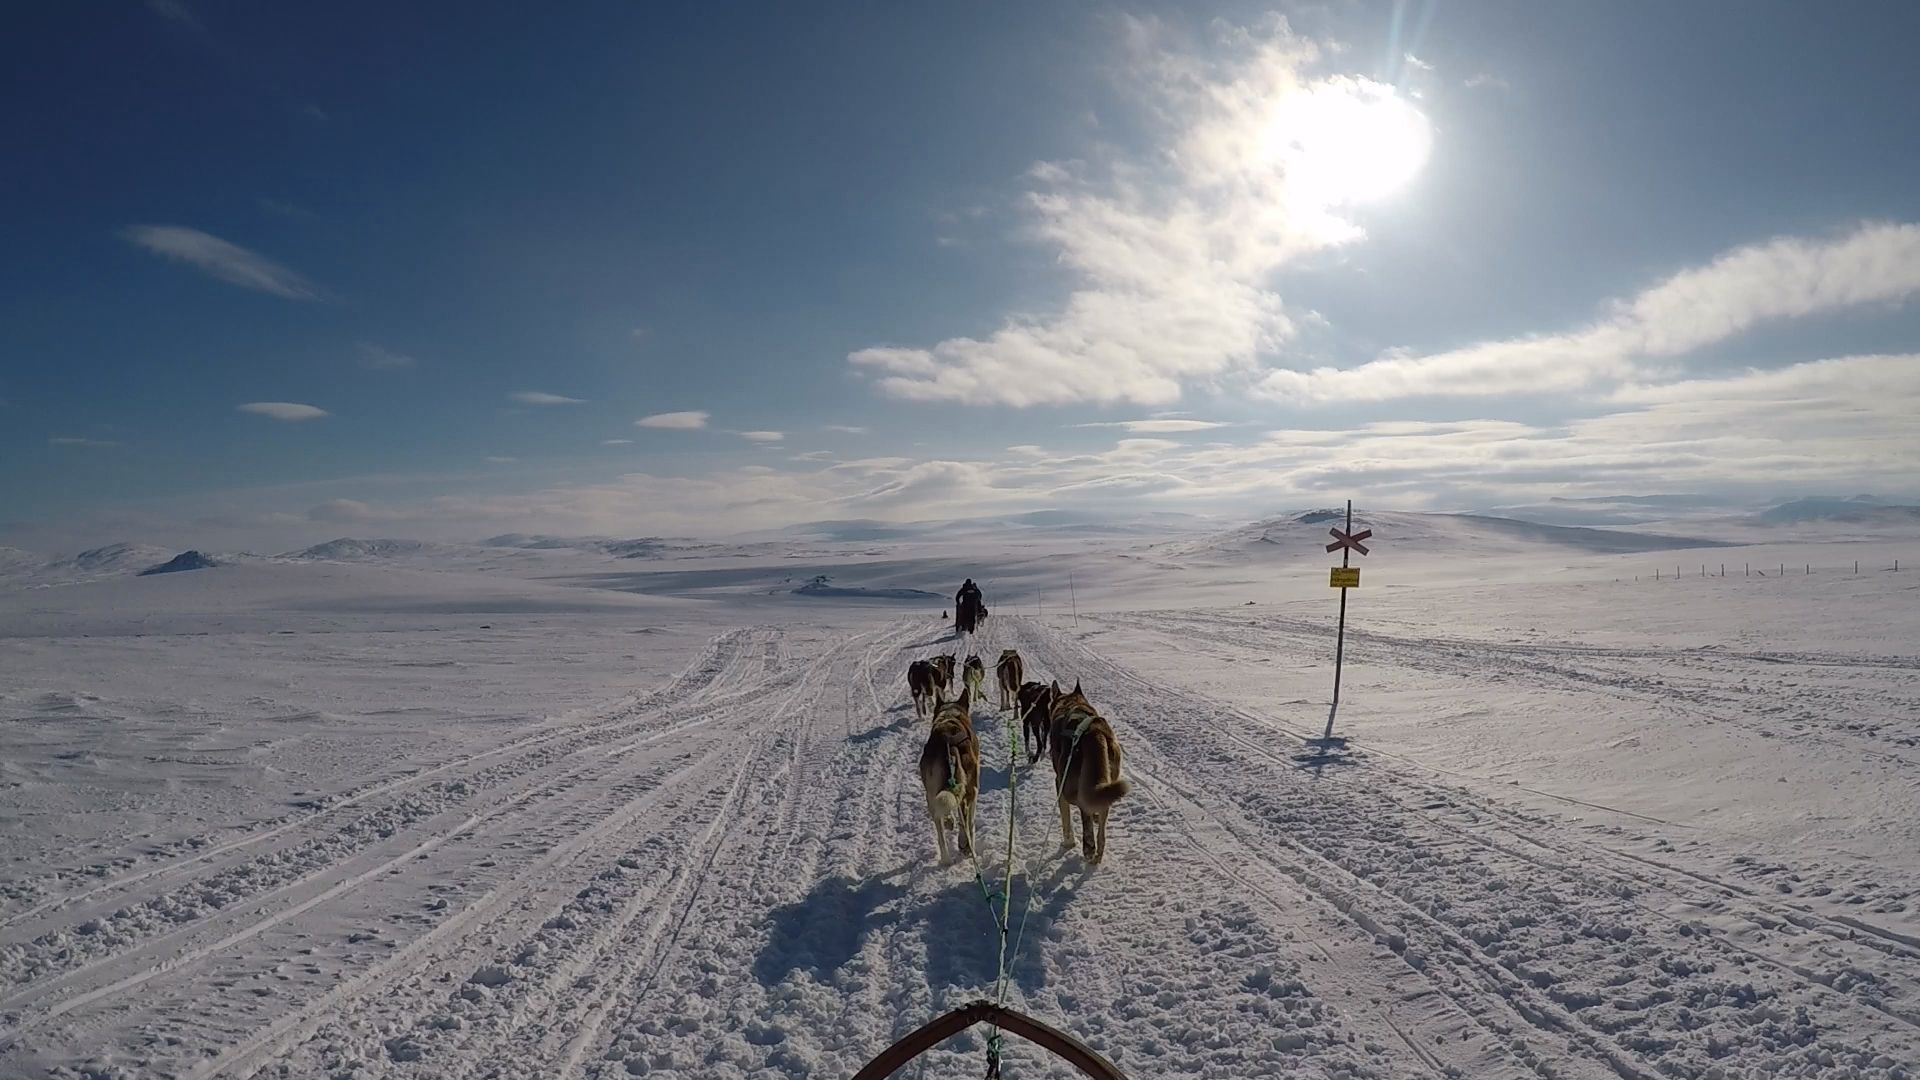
<point x="1078" y="741"/>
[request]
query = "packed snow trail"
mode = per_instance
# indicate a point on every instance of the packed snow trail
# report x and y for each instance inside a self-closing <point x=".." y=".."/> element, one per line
<point x="735" y="876"/>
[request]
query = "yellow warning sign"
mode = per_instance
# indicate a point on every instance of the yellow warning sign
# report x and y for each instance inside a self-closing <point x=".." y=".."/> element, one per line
<point x="1345" y="577"/>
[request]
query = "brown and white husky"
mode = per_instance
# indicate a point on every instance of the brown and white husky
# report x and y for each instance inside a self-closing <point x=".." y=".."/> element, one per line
<point x="974" y="676"/>
<point x="950" y="772"/>
<point x="1008" y="673"/>
<point x="1086" y="765"/>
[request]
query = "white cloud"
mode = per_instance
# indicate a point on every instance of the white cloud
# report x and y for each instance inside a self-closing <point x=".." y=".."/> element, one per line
<point x="1842" y="424"/>
<point x="350" y="512"/>
<point x="763" y="436"/>
<point x="953" y="483"/>
<point x="1171" y="254"/>
<point x="616" y="442"/>
<point x="1780" y="279"/>
<point x="283" y="410"/>
<point x="844" y="429"/>
<point x="282" y="207"/>
<point x="75" y="440"/>
<point x="496" y="460"/>
<point x="1122" y="484"/>
<point x="1488" y="81"/>
<point x="1158" y="427"/>
<point x="174" y="10"/>
<point x="536" y="397"/>
<point x="376" y="358"/>
<point x="217" y="258"/>
<point x="679" y="421"/>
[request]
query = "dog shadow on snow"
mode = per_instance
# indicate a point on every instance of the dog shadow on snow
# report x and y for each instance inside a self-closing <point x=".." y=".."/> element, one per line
<point x="943" y="907"/>
<point x="903" y="720"/>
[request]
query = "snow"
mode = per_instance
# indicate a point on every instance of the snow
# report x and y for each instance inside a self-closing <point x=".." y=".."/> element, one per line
<point x="533" y="808"/>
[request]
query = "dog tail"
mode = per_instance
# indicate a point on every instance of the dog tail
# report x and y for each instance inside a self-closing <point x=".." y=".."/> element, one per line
<point x="1106" y="758"/>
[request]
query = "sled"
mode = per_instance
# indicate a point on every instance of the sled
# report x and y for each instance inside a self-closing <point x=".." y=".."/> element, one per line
<point x="938" y="1030"/>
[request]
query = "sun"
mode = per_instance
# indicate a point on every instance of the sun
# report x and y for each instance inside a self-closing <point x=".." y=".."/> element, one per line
<point x="1348" y="141"/>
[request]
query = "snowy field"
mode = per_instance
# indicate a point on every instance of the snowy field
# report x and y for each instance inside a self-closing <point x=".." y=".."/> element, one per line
<point x="545" y="811"/>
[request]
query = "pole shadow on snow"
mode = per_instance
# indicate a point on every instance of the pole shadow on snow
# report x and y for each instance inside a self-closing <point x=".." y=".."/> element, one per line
<point x="1322" y="753"/>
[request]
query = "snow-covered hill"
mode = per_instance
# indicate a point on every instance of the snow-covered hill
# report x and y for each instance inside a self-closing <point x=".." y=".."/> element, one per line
<point x="1423" y="535"/>
<point x="22" y="568"/>
<point x="1859" y="510"/>
<point x="185" y="561"/>
<point x="352" y="549"/>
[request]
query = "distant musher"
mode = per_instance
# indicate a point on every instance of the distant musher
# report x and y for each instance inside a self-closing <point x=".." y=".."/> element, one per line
<point x="967" y="608"/>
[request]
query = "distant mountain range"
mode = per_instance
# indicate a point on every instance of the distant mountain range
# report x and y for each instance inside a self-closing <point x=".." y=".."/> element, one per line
<point x="1860" y="509"/>
<point x="1588" y="524"/>
<point x="1303" y="534"/>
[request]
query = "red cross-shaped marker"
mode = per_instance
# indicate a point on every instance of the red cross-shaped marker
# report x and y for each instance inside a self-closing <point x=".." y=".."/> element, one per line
<point x="1342" y="540"/>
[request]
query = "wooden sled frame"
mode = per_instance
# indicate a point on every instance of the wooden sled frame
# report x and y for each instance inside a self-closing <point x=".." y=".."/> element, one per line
<point x="938" y="1030"/>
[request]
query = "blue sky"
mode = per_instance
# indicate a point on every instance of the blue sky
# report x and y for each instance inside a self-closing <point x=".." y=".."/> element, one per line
<point x="281" y="273"/>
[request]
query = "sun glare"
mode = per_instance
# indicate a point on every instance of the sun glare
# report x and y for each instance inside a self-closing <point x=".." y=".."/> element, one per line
<point x="1347" y="142"/>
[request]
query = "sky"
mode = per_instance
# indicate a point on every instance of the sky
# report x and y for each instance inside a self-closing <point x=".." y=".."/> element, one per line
<point x="279" y="273"/>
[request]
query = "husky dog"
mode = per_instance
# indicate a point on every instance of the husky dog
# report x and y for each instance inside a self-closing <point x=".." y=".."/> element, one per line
<point x="974" y="674"/>
<point x="1009" y="672"/>
<point x="950" y="772"/>
<point x="921" y="680"/>
<point x="1036" y="716"/>
<point x="925" y="679"/>
<point x="1086" y="764"/>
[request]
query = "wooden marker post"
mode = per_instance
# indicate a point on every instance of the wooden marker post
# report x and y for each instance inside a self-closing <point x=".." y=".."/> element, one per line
<point x="1343" y="577"/>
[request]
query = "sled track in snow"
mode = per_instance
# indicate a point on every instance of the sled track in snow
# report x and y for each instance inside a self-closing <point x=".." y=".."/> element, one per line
<point x="1629" y="899"/>
<point x="1794" y="692"/>
<point x="734" y="877"/>
<point x="554" y="783"/>
<point x="201" y="851"/>
<point x="583" y="963"/>
<point x="60" y="955"/>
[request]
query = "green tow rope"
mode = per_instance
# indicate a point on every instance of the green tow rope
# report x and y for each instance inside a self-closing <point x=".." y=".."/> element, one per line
<point x="1005" y="982"/>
